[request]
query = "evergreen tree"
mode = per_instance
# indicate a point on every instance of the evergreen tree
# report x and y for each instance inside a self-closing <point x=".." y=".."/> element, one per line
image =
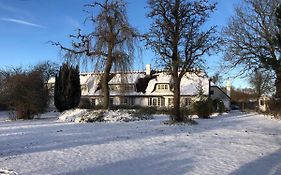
<point x="67" y="88"/>
<point x="200" y="91"/>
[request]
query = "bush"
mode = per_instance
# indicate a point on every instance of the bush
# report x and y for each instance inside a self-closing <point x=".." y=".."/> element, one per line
<point x="203" y="108"/>
<point x="98" y="107"/>
<point x="25" y="92"/>
<point x="147" y="110"/>
<point x="218" y="106"/>
<point x="85" y="103"/>
<point x="221" y="107"/>
<point x="274" y="107"/>
<point x="116" y="107"/>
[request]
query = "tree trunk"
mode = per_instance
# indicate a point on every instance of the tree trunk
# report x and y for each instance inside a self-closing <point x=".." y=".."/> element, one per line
<point x="176" y="112"/>
<point x="278" y="85"/>
<point x="105" y="80"/>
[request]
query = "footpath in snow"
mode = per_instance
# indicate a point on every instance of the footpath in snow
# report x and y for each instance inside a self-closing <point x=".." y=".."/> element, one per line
<point x="235" y="144"/>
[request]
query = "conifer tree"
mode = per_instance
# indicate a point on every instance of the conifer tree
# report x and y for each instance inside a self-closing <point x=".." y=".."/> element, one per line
<point x="67" y="88"/>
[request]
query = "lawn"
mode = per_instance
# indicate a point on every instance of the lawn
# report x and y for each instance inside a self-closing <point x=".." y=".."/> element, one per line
<point x="235" y="143"/>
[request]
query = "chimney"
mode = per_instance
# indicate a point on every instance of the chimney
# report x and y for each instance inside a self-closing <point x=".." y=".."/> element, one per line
<point x="147" y="69"/>
<point x="228" y="87"/>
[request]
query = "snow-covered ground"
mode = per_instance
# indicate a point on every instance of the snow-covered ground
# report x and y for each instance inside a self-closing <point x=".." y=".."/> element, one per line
<point x="235" y="144"/>
<point x="4" y="115"/>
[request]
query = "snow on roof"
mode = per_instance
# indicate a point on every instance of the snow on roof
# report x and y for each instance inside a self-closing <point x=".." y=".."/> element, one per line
<point x="161" y="78"/>
<point x="84" y="78"/>
<point x="128" y="78"/>
<point x="189" y="83"/>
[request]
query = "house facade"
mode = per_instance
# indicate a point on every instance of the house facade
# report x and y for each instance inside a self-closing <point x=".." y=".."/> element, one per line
<point x="263" y="103"/>
<point x="217" y="93"/>
<point x="143" y="88"/>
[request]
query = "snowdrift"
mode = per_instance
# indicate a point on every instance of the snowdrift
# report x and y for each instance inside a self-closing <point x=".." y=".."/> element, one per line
<point x="85" y="116"/>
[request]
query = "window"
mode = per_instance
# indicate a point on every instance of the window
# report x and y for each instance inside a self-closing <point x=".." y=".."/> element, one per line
<point x="83" y="88"/>
<point x="132" y="101"/>
<point x="158" y="86"/>
<point x="111" y="101"/>
<point x="162" y="86"/>
<point x="261" y="102"/>
<point x="129" y="87"/>
<point x="187" y="101"/>
<point x="159" y="101"/>
<point x="154" y="102"/>
<point x="113" y="87"/>
<point x="94" y="102"/>
<point x="125" y="100"/>
<point x="128" y="101"/>
<point x="170" y="101"/>
<point x="211" y="92"/>
<point x="121" y="87"/>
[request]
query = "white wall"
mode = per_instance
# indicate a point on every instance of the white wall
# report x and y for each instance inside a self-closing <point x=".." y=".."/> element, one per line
<point x="218" y="94"/>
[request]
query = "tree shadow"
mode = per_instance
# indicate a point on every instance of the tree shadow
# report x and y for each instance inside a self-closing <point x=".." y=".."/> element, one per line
<point x="149" y="165"/>
<point x="63" y="136"/>
<point x="267" y="165"/>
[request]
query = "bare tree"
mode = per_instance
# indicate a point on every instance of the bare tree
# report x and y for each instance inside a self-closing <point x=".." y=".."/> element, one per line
<point x="218" y="79"/>
<point x="111" y="44"/>
<point x="250" y="38"/>
<point x="177" y="36"/>
<point x="48" y="68"/>
<point x="261" y="82"/>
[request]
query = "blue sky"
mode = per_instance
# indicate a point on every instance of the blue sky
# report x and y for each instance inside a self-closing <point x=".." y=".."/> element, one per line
<point x="26" y="26"/>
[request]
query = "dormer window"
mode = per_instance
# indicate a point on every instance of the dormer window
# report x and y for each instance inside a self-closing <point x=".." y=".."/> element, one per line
<point x="162" y="86"/>
<point x="122" y="87"/>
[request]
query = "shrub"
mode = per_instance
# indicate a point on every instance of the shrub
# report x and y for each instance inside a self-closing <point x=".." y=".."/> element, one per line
<point x="85" y="103"/>
<point x="185" y="112"/>
<point x="203" y="108"/>
<point x="221" y="107"/>
<point x="24" y="91"/>
<point x="98" y="107"/>
<point x="116" y="107"/>
<point x="274" y="107"/>
<point x="147" y="110"/>
<point x="218" y="106"/>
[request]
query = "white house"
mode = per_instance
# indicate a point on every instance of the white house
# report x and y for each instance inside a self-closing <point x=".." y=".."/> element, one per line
<point x="145" y="88"/>
<point x="263" y="103"/>
<point x="217" y="93"/>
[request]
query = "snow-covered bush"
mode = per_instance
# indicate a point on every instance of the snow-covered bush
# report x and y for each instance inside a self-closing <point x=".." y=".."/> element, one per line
<point x="72" y="114"/>
<point x="85" y="116"/>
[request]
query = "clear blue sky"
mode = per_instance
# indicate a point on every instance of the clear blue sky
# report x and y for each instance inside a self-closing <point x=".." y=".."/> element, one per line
<point x="27" y="25"/>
